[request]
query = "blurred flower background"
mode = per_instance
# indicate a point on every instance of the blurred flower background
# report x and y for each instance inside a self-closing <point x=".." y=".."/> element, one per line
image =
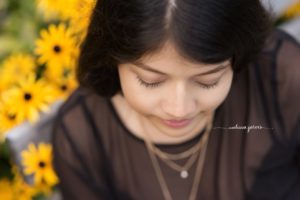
<point x="40" y="42"/>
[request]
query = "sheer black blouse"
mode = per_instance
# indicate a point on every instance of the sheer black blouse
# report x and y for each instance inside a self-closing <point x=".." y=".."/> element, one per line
<point x="253" y="151"/>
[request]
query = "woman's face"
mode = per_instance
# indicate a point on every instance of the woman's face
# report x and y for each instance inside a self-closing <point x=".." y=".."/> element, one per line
<point x="171" y="93"/>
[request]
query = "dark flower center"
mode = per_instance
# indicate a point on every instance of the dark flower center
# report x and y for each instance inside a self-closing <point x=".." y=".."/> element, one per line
<point x="27" y="96"/>
<point x="11" y="117"/>
<point x="57" y="49"/>
<point x="63" y="87"/>
<point x="42" y="164"/>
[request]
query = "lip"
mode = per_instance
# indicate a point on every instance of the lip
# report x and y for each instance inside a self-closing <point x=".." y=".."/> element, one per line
<point x="177" y="123"/>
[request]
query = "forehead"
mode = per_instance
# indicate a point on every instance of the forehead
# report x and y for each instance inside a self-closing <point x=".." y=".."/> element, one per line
<point x="166" y="52"/>
<point x="168" y="57"/>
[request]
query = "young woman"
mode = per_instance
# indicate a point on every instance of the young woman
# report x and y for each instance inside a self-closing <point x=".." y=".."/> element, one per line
<point x="182" y="100"/>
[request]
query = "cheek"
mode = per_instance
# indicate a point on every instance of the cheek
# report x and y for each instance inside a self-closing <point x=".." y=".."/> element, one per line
<point x="136" y="96"/>
<point x="216" y="97"/>
<point x="139" y="103"/>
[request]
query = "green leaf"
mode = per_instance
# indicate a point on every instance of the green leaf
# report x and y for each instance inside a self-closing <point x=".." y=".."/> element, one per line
<point x="5" y="164"/>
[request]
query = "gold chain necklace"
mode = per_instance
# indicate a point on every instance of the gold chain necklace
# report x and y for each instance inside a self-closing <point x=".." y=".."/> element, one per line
<point x="183" y="170"/>
<point x="198" y="173"/>
<point x="181" y="155"/>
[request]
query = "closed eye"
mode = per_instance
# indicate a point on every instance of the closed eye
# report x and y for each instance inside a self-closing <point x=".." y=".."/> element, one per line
<point x="209" y="86"/>
<point x="157" y="84"/>
<point x="148" y="85"/>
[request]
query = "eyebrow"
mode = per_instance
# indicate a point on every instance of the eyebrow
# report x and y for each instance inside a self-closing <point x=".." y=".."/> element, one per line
<point x="150" y="69"/>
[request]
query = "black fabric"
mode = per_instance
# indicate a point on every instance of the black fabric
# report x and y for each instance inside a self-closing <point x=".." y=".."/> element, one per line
<point x="97" y="157"/>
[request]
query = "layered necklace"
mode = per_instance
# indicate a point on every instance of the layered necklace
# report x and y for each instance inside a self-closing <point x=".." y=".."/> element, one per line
<point x="197" y="151"/>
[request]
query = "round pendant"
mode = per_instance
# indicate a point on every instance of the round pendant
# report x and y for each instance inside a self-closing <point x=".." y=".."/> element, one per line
<point x="184" y="174"/>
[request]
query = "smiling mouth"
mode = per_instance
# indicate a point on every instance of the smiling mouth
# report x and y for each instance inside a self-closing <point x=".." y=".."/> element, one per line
<point x="177" y="123"/>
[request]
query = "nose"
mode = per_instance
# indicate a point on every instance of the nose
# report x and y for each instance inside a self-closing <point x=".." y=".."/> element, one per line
<point x="179" y="103"/>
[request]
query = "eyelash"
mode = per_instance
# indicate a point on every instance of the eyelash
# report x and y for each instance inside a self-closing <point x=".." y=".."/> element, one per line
<point x="148" y="85"/>
<point x="153" y="85"/>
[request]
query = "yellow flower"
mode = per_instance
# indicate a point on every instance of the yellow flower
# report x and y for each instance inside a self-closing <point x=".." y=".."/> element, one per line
<point x="43" y="188"/>
<point x="17" y="189"/>
<point x="292" y="11"/>
<point x="56" y="47"/>
<point x="38" y="161"/>
<point x="30" y="97"/>
<point x="55" y="73"/>
<point x="6" y="191"/>
<point x="8" y="118"/>
<point x="80" y="17"/>
<point x="53" y="8"/>
<point x="22" y="190"/>
<point x="6" y="81"/>
<point x="66" y="86"/>
<point x="63" y="79"/>
<point x="18" y="65"/>
<point x="15" y="67"/>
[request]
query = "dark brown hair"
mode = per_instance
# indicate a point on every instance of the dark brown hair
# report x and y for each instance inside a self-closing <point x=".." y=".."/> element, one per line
<point x="203" y="31"/>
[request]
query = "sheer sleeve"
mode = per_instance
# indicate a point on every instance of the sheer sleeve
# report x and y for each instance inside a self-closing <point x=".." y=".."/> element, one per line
<point x="282" y="88"/>
<point x="288" y="84"/>
<point x="78" y="160"/>
<point x="279" y="66"/>
<point x="278" y="74"/>
<point x="287" y="92"/>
